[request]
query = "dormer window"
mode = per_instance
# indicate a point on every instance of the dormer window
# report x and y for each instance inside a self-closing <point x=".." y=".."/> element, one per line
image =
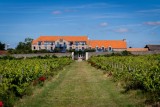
<point x="102" y="48"/>
<point x="70" y="43"/>
<point x="109" y="48"/>
<point x="39" y="42"/>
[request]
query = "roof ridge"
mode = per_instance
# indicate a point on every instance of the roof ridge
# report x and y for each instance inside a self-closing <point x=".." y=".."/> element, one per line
<point x="105" y="40"/>
<point x="63" y="36"/>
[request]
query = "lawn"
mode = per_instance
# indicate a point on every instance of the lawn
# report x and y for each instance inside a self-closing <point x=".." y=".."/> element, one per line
<point x="80" y="85"/>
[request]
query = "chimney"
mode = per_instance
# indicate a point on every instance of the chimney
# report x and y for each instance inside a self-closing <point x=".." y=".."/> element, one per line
<point x="124" y="40"/>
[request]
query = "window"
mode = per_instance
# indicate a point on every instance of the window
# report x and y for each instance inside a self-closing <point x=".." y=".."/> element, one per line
<point x="90" y="48"/>
<point x="46" y="43"/>
<point x="76" y="43"/>
<point x="57" y="44"/>
<point x="109" y="48"/>
<point x="71" y="43"/>
<point x="46" y="47"/>
<point x="39" y="48"/>
<point x="82" y="48"/>
<point x="83" y="43"/>
<point x="51" y="48"/>
<point x="60" y="45"/>
<point x="34" y="47"/>
<point x="76" y="48"/>
<point x="52" y="43"/>
<point x="102" y="48"/>
<point x="70" y="48"/>
<point x="39" y="42"/>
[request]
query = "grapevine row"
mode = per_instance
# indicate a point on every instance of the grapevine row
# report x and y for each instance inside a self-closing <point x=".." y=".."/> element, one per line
<point x="137" y="72"/>
<point x="16" y="76"/>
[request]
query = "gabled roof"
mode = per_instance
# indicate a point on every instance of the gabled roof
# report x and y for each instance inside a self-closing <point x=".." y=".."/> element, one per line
<point x="108" y="43"/>
<point x="153" y="47"/>
<point x="54" y="38"/>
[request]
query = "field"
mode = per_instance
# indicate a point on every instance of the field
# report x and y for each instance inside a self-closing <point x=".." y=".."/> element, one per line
<point x="118" y="81"/>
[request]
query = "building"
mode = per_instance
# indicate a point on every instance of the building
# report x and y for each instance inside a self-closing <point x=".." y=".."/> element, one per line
<point x="137" y="49"/>
<point x="153" y="47"/>
<point x="78" y="43"/>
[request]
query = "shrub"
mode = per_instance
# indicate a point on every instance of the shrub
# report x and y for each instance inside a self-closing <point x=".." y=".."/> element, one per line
<point x="126" y="53"/>
<point x="1" y="104"/>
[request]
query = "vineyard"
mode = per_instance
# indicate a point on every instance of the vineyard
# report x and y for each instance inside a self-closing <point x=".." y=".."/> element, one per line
<point x="17" y="76"/>
<point x="133" y="72"/>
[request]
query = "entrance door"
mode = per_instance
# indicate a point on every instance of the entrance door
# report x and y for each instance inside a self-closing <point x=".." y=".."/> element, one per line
<point x="79" y="55"/>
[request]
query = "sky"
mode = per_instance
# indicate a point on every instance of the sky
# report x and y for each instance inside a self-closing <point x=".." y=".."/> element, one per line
<point x="137" y="21"/>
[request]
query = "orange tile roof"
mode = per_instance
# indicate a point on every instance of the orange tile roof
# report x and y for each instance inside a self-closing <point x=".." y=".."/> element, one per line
<point x="93" y="43"/>
<point x="34" y="42"/>
<point x="106" y="43"/>
<point x="67" y="38"/>
<point x="137" y="49"/>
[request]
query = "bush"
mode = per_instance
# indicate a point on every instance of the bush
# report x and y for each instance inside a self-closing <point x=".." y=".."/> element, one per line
<point x="9" y="98"/>
<point x="125" y="53"/>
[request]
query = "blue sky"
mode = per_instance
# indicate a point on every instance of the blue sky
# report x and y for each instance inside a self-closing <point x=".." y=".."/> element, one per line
<point x="137" y="21"/>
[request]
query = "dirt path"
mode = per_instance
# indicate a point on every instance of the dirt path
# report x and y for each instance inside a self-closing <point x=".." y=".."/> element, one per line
<point x="79" y="85"/>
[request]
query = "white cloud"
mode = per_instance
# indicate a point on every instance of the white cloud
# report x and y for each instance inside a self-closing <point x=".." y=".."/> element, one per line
<point x="122" y="30"/>
<point x="150" y="11"/>
<point x="112" y="15"/>
<point x="153" y="23"/>
<point x="56" y="12"/>
<point x="104" y="24"/>
<point x="97" y="5"/>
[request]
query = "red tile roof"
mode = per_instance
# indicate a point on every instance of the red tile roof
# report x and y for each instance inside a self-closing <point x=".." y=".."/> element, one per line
<point x="117" y="44"/>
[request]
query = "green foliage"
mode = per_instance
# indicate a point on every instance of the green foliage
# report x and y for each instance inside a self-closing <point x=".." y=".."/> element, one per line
<point x="16" y="76"/>
<point x="137" y="72"/>
<point x="126" y="53"/>
<point x="7" y="57"/>
<point x="24" y="47"/>
<point x="2" y="46"/>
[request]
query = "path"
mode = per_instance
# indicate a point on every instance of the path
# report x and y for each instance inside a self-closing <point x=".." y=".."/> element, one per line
<point x="79" y="85"/>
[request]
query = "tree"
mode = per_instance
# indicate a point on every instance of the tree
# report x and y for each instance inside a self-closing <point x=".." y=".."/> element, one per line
<point x="2" y="46"/>
<point x="28" y="40"/>
<point x="25" y="47"/>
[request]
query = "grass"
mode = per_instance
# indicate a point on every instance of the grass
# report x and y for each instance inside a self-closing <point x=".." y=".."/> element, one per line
<point x="80" y="85"/>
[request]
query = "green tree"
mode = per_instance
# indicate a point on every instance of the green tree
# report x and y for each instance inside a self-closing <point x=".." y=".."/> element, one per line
<point x="2" y="46"/>
<point x="24" y="47"/>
